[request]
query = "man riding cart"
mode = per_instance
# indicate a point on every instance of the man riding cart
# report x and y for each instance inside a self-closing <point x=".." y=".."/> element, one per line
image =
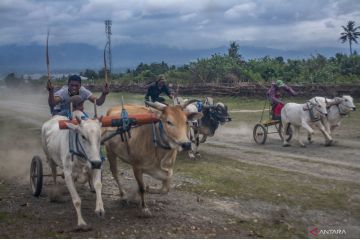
<point x="274" y="95"/>
<point x="59" y="101"/>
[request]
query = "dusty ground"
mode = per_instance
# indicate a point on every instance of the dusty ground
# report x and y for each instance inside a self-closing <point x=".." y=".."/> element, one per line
<point x="272" y="191"/>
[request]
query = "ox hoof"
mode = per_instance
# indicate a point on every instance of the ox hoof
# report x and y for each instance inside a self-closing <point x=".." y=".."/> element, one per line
<point x="145" y="213"/>
<point x="329" y="143"/>
<point x="83" y="228"/>
<point x="100" y="213"/>
<point x="191" y="156"/>
<point x="310" y="141"/>
<point x="286" y="145"/>
<point x="197" y="154"/>
<point x="153" y="190"/>
<point x="303" y="145"/>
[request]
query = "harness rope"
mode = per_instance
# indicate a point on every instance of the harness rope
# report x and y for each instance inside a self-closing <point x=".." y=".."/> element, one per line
<point x="78" y="149"/>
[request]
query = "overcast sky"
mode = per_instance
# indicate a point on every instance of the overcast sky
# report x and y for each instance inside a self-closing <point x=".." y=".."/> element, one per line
<point x="192" y="24"/>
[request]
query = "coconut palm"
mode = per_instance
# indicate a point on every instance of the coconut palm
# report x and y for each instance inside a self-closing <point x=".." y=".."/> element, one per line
<point x="350" y="34"/>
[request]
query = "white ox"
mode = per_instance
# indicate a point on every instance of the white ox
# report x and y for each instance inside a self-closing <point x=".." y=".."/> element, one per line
<point x="298" y="115"/>
<point x="337" y="108"/>
<point x="56" y="147"/>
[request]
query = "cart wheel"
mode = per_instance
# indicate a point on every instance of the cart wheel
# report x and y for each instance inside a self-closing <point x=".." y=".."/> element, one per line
<point x="289" y="132"/>
<point x="36" y="176"/>
<point x="260" y="134"/>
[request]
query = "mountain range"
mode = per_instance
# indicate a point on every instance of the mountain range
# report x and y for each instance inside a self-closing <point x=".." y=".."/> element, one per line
<point x="78" y="57"/>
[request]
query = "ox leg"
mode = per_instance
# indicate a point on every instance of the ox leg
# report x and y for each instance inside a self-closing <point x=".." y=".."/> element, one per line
<point x="139" y="178"/>
<point x="327" y="126"/>
<point x="309" y="138"/>
<point x="328" y="138"/>
<point x="75" y="197"/>
<point x="310" y="131"/>
<point x="96" y="179"/>
<point x="197" y="143"/>
<point x="53" y="170"/>
<point x="114" y="171"/>
<point x="283" y="129"/>
<point x="193" y="147"/>
<point x="166" y="182"/>
<point x="297" y="135"/>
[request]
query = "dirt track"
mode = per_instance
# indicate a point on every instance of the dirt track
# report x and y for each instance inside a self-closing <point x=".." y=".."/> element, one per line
<point x="179" y="214"/>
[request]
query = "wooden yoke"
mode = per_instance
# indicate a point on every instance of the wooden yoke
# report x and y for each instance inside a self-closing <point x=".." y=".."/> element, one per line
<point x="109" y="121"/>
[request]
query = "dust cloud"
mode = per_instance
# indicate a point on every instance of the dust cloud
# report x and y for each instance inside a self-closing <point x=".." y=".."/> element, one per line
<point x="21" y="118"/>
<point x="22" y="113"/>
<point x="239" y="130"/>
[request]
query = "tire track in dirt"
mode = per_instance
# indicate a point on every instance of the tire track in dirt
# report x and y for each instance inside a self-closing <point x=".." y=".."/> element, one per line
<point x="340" y="162"/>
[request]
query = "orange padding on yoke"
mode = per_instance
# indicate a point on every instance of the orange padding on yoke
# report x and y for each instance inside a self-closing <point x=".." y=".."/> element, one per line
<point x="141" y="119"/>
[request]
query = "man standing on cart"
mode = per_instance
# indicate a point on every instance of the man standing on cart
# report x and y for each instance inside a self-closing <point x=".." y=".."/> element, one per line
<point x="59" y="101"/>
<point x="274" y="95"/>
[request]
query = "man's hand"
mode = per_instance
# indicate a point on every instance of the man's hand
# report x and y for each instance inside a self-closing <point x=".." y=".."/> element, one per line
<point x="49" y="86"/>
<point x="106" y="89"/>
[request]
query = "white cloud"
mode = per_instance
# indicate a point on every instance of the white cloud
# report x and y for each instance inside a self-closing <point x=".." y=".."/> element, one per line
<point x="178" y="23"/>
<point x="240" y="10"/>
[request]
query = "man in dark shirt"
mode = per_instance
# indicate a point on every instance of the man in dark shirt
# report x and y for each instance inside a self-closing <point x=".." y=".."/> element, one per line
<point x="156" y="88"/>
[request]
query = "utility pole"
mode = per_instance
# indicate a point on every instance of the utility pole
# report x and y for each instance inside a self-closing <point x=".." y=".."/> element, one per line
<point x="108" y="36"/>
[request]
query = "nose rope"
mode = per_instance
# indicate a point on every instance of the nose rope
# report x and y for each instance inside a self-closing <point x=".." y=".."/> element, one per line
<point x="342" y="114"/>
<point x="311" y="112"/>
<point x="79" y="150"/>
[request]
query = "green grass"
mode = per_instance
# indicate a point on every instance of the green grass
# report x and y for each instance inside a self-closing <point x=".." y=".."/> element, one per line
<point x="236" y="179"/>
<point x="222" y="177"/>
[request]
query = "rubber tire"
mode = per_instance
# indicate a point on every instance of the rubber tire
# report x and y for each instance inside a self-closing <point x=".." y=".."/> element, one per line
<point x="263" y="129"/>
<point x="36" y="176"/>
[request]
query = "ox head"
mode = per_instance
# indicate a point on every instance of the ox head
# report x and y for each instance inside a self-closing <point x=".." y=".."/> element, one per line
<point x="347" y="103"/>
<point x="89" y="135"/>
<point x="174" y="120"/>
<point x="218" y="112"/>
<point x="319" y="106"/>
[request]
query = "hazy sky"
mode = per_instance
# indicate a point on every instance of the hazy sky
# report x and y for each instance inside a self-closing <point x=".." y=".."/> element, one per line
<point x="190" y="24"/>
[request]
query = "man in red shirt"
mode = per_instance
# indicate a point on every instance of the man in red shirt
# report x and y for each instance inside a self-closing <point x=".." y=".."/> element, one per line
<point x="274" y="95"/>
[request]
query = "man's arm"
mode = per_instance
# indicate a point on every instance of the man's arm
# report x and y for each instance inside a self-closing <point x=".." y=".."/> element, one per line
<point x="290" y="90"/>
<point x="100" y="101"/>
<point x="168" y="92"/>
<point x="52" y="100"/>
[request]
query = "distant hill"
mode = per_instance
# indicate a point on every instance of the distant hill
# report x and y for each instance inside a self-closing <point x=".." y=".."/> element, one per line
<point x="77" y="57"/>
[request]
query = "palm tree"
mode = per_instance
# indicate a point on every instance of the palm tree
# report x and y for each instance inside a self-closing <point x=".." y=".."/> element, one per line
<point x="350" y="34"/>
<point x="233" y="50"/>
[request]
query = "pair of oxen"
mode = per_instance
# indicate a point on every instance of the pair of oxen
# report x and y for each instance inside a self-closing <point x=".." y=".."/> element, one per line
<point x="324" y="113"/>
<point x="151" y="149"/>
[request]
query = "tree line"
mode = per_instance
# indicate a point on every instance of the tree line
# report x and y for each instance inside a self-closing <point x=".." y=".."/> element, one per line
<point x="231" y="69"/>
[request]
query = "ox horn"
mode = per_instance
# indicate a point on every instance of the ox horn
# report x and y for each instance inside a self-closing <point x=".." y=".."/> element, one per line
<point x="188" y="103"/>
<point x="78" y="119"/>
<point x="156" y="105"/>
